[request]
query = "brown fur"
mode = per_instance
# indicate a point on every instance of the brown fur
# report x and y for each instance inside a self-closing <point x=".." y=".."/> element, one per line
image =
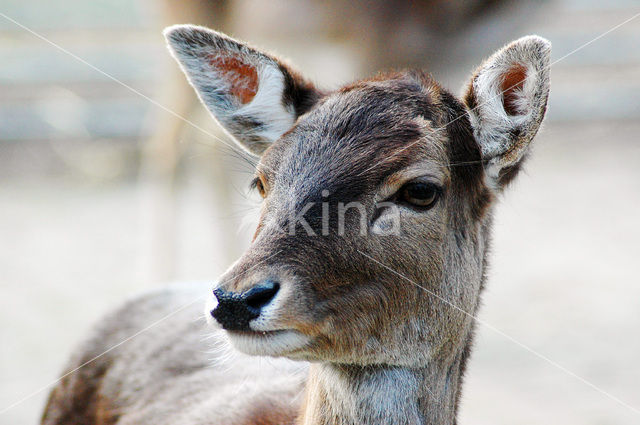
<point x="243" y="77"/>
<point x="384" y="319"/>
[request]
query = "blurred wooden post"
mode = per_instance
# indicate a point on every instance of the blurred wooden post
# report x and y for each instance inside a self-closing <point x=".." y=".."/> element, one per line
<point x="161" y="153"/>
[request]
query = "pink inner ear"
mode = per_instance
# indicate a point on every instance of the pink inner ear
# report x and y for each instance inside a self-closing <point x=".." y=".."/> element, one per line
<point x="512" y="83"/>
<point x="242" y="78"/>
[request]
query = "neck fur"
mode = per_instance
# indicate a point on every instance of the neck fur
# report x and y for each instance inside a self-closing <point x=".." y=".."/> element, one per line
<point x="382" y="395"/>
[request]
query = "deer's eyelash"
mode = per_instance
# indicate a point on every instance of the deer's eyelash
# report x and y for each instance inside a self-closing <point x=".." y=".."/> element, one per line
<point x="254" y="183"/>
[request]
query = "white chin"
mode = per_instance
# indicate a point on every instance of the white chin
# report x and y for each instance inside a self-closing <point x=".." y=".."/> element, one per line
<point x="274" y="343"/>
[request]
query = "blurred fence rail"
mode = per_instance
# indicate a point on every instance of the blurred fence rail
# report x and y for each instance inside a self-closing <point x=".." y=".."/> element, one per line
<point x="53" y="104"/>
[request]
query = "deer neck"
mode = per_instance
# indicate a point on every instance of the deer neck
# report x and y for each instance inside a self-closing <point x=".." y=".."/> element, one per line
<point x="382" y="395"/>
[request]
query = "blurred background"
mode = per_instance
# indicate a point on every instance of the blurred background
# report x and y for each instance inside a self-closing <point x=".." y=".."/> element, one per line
<point x="104" y="194"/>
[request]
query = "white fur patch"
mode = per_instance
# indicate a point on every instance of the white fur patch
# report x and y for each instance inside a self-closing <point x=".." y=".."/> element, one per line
<point x="497" y="131"/>
<point x="267" y="105"/>
<point x="493" y="124"/>
<point x="278" y="343"/>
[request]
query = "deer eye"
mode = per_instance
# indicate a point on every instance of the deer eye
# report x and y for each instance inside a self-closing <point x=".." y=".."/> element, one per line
<point x="259" y="186"/>
<point x="419" y="194"/>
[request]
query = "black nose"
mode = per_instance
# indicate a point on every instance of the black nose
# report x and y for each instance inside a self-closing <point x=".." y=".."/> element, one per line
<point x="235" y="311"/>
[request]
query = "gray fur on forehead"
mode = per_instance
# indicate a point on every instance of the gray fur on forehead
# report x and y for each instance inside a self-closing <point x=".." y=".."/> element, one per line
<point x="357" y="136"/>
<point x="364" y="122"/>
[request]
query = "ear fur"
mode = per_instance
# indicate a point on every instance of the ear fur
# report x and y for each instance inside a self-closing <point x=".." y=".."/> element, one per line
<point x="253" y="95"/>
<point x="507" y="99"/>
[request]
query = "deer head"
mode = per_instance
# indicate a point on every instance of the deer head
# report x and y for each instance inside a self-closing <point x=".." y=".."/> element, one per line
<point x="377" y="198"/>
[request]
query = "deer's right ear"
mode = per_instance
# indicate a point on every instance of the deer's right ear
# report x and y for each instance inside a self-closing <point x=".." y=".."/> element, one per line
<point x="253" y="95"/>
<point x="507" y="100"/>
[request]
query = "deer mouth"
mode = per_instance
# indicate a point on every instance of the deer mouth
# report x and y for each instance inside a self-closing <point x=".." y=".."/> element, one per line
<point x="258" y="334"/>
<point x="277" y="342"/>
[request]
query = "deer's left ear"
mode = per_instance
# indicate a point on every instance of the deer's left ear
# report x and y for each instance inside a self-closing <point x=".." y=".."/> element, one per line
<point x="507" y="100"/>
<point x="253" y="95"/>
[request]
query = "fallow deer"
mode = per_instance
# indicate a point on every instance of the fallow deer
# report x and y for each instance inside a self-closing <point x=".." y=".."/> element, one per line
<point x="375" y="326"/>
